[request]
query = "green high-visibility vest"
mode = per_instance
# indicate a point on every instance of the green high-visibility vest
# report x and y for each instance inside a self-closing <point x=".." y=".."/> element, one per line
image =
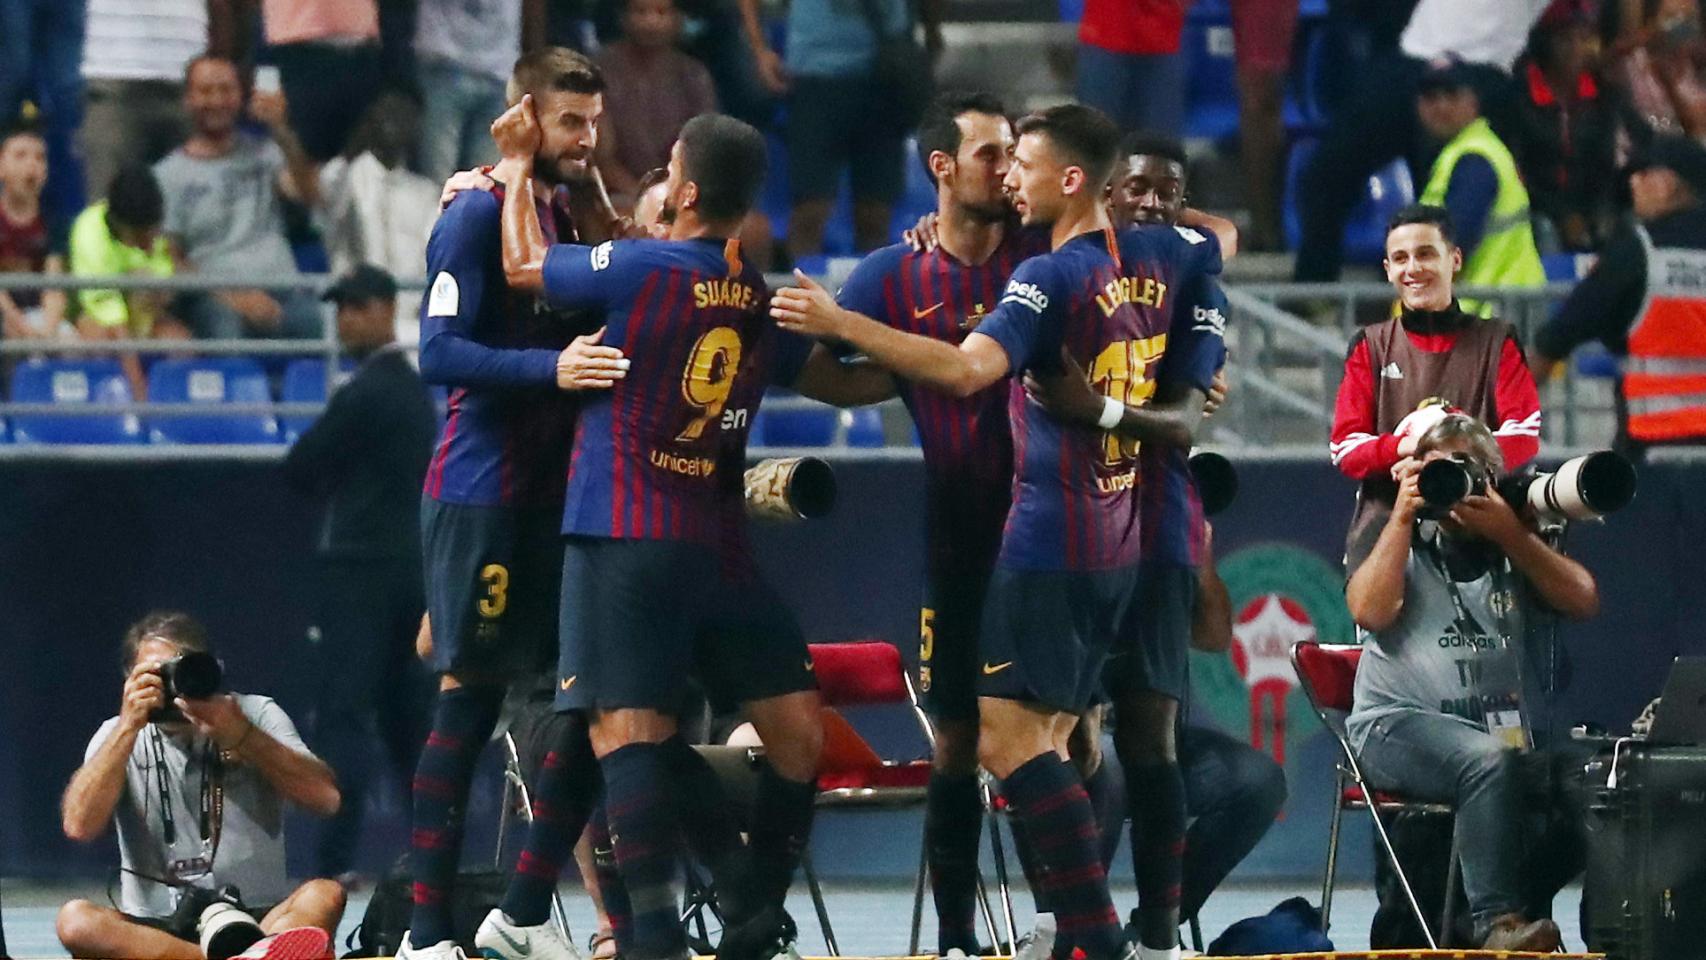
<point x="1506" y="255"/>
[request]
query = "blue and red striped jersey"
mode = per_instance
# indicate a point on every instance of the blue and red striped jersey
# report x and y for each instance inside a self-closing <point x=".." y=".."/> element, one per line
<point x="967" y="445"/>
<point x="1106" y="299"/>
<point x="685" y="313"/>
<point x="1196" y="349"/>
<point x="505" y="440"/>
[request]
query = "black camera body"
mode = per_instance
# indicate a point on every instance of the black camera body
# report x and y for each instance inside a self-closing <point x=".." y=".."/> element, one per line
<point x="193" y="675"/>
<point x="1584" y="488"/>
<point x="193" y="901"/>
<point x="1442" y="483"/>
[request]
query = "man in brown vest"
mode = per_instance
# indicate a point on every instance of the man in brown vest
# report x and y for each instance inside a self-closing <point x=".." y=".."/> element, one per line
<point x="1432" y="351"/>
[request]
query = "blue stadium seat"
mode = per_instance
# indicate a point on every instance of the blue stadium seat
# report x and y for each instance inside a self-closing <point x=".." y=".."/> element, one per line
<point x="305" y="382"/>
<point x="72" y="382"/>
<point x="1211" y="92"/>
<point x="919" y="197"/>
<point x="775" y="427"/>
<point x="1593" y="361"/>
<point x="213" y="382"/>
<point x="864" y="427"/>
<point x="774" y="201"/>
<point x="1388" y="191"/>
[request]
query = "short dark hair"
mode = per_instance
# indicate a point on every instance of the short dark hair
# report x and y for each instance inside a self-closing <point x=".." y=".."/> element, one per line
<point x="556" y="69"/>
<point x="1424" y="213"/>
<point x="1084" y="134"/>
<point x="134" y="199"/>
<point x="175" y="626"/>
<point x="726" y="159"/>
<point x="201" y="58"/>
<point x="20" y="129"/>
<point x="1147" y="144"/>
<point x="652" y="178"/>
<point x="938" y="131"/>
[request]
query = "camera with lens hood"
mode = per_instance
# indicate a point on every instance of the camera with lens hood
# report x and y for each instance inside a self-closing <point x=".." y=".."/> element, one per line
<point x="193" y="675"/>
<point x="1582" y="488"/>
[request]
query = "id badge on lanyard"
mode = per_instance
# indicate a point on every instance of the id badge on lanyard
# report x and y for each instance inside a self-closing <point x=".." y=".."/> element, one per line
<point x="1506" y="722"/>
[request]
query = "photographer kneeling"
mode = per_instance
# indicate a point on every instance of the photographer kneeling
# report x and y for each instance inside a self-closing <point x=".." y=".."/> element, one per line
<point x="196" y="780"/>
<point x="1439" y="711"/>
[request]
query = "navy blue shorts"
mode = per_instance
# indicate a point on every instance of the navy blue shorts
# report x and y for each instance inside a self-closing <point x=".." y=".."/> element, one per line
<point x="492" y="575"/>
<point x="1048" y="633"/>
<point x="750" y="646"/>
<point x="630" y="618"/>
<point x="1155" y="654"/>
<point x="948" y="644"/>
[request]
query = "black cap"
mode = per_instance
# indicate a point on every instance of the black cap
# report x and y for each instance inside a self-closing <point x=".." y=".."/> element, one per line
<point x="1680" y="155"/>
<point x="364" y="283"/>
<point x="1443" y="73"/>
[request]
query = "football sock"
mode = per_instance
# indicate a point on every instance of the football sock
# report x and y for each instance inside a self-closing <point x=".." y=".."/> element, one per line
<point x="461" y="724"/>
<point x="617" y="911"/>
<point x="1106" y="789"/>
<point x="1060" y="827"/>
<point x="644" y="831"/>
<point x="781" y="828"/>
<point x="1157" y="797"/>
<point x="953" y="822"/>
<point x="563" y="796"/>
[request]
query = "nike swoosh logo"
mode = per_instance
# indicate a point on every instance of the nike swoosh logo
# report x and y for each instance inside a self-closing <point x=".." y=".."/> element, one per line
<point x="918" y="314"/>
<point x="566" y="684"/>
<point x="810" y="666"/>
<point x="990" y="669"/>
<point x="519" y="949"/>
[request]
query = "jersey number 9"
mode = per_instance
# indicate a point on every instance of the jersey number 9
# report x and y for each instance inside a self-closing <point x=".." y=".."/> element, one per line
<point x="709" y="377"/>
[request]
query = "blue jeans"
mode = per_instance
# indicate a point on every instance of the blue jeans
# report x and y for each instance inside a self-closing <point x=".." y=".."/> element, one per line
<point x="1437" y="758"/>
<point x="1139" y="91"/>
<point x="456" y="118"/>
<point x="1233" y="792"/>
<point x="41" y="60"/>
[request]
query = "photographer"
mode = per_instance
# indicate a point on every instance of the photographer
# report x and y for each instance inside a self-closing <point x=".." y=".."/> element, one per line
<point x="1440" y="709"/>
<point x="197" y="787"/>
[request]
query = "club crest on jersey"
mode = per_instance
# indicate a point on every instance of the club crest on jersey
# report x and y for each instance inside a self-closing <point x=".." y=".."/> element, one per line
<point x="1028" y="294"/>
<point x="974" y="318"/>
<point x="600" y="256"/>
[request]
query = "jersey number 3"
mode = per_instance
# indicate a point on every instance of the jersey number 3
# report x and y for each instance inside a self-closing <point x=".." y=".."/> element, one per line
<point x="708" y="378"/>
<point x="1121" y="371"/>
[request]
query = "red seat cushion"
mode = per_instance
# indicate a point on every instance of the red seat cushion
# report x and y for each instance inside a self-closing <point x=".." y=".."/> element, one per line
<point x="1354" y="795"/>
<point x="864" y="672"/>
<point x="915" y="773"/>
<point x="1329" y="671"/>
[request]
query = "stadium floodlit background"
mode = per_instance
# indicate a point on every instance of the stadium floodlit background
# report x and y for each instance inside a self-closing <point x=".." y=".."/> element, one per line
<point x="124" y="491"/>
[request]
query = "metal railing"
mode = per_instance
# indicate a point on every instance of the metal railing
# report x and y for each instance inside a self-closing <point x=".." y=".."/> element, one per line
<point x="1287" y="345"/>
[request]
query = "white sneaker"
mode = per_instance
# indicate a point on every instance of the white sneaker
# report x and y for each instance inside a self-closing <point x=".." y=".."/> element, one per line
<point x="955" y="953"/>
<point x="500" y="938"/>
<point x="442" y="950"/>
<point x="1039" y="943"/>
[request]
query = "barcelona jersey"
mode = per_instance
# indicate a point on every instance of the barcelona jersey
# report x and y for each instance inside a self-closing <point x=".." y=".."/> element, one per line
<point x="1196" y="350"/>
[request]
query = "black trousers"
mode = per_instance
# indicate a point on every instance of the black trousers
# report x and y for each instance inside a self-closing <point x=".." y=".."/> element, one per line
<point x="372" y="686"/>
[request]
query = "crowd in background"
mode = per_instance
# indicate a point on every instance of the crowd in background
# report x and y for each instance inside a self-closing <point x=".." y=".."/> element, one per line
<point x="272" y="138"/>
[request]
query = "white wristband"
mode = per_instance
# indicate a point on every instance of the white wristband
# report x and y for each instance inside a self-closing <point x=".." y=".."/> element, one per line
<point x="1113" y="412"/>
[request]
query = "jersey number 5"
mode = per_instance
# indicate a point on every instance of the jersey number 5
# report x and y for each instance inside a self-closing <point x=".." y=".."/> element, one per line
<point x="1121" y="371"/>
<point x="708" y="378"/>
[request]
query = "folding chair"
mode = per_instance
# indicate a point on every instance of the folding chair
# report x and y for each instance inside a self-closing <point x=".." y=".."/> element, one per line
<point x="517" y="803"/>
<point x="1327" y="674"/>
<point x="867" y="673"/>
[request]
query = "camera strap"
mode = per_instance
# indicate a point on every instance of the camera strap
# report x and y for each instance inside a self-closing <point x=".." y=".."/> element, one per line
<point x="168" y="820"/>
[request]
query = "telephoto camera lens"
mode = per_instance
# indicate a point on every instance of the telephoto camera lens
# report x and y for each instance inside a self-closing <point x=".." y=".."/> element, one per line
<point x="1444" y="482"/>
<point x="795" y="488"/>
<point x="1585" y="488"/>
<point x="1216" y="480"/>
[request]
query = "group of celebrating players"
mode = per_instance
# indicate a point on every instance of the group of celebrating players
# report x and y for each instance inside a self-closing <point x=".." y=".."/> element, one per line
<point x="584" y="512"/>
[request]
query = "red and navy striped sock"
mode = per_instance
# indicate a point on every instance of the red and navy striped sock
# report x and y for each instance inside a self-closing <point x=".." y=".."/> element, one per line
<point x="1157" y="796"/>
<point x="645" y="832"/>
<point x="953" y="822"/>
<point x="462" y="723"/>
<point x="1047" y="796"/>
<point x="563" y="795"/>
<point x="617" y="911"/>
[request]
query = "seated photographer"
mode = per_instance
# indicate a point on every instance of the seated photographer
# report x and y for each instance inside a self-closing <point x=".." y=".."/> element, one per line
<point x="197" y="780"/>
<point x="1440" y="695"/>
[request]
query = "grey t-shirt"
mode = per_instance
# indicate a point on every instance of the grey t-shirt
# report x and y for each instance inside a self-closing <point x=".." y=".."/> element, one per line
<point x="483" y="36"/>
<point x="1433" y="662"/>
<point x="226" y="211"/>
<point x="250" y="852"/>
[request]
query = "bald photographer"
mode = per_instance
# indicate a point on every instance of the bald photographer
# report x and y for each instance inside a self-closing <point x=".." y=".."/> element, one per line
<point x="196" y="779"/>
<point x="1447" y="678"/>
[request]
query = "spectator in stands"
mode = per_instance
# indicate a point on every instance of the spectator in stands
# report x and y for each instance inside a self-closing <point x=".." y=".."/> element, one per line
<point x="133" y="71"/>
<point x="1475" y="179"/>
<point x="1433" y="350"/>
<point x="1377" y="123"/>
<point x="365" y="458"/>
<point x="121" y="236"/>
<point x="651" y="89"/>
<point x="1568" y="123"/>
<point x="1129" y="65"/>
<point x="223" y="191"/>
<point x="145" y="768"/>
<point x="373" y="208"/>
<point x="842" y="115"/>
<point x="1262" y="34"/>
<point x="328" y="58"/>
<point x="465" y="50"/>
<point x="41" y="49"/>
<point x="1657" y="54"/>
<point x="1647" y="314"/>
<point x="1441" y="605"/>
<point x="32" y="240"/>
